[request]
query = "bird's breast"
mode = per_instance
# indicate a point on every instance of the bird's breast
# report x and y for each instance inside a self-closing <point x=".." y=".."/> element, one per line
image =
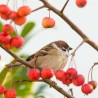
<point x="54" y="59"/>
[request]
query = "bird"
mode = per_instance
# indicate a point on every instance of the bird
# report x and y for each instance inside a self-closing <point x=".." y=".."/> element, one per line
<point x="54" y="55"/>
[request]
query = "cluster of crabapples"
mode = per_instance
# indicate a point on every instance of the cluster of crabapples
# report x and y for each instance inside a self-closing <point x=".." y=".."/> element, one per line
<point x="8" y="93"/>
<point x="19" y="17"/>
<point x="10" y="42"/>
<point x="70" y="76"/>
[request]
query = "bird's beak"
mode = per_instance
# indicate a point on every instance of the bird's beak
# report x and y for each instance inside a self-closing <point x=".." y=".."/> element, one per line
<point x="70" y="48"/>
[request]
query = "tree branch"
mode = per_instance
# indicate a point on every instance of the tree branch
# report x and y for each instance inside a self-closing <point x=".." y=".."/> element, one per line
<point x="16" y="57"/>
<point x="71" y="24"/>
<point x="54" y="85"/>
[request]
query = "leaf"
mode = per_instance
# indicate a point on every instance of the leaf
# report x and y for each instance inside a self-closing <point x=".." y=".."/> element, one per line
<point x="1" y="25"/>
<point x="14" y="34"/>
<point x="27" y="28"/>
<point x="3" y="74"/>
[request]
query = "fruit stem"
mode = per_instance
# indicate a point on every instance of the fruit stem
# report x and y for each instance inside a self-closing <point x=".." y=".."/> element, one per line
<point x="91" y="71"/>
<point x="73" y="53"/>
<point x="64" y="6"/>
<point x="38" y="8"/>
<point x="49" y="12"/>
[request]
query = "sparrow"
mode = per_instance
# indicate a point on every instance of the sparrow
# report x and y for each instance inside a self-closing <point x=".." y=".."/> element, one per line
<point x="54" y="56"/>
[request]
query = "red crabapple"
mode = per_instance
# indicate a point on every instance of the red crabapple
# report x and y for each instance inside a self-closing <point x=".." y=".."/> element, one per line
<point x="7" y="28"/>
<point x="17" y="41"/>
<point x="93" y="83"/>
<point x="10" y="93"/>
<point x="72" y="73"/>
<point x="2" y="89"/>
<point x="48" y="22"/>
<point x="4" y="9"/>
<point x="24" y="10"/>
<point x="20" y="20"/>
<point x="78" y="80"/>
<point x="59" y="74"/>
<point x="87" y="89"/>
<point x="81" y="3"/>
<point x="33" y="74"/>
<point x="13" y="15"/>
<point x="46" y="73"/>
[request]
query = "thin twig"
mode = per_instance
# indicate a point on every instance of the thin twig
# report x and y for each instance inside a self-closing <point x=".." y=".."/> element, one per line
<point x="38" y="8"/>
<point x="73" y="53"/>
<point x="13" y="65"/>
<point x="64" y="6"/>
<point x="21" y="81"/>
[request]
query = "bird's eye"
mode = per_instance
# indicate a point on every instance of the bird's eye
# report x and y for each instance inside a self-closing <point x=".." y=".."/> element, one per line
<point x="63" y="49"/>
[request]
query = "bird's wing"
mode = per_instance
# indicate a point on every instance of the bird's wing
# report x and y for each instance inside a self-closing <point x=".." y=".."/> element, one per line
<point x="42" y="52"/>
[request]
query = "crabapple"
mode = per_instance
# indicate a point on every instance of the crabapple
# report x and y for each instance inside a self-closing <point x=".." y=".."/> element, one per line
<point x="13" y="15"/>
<point x="20" y="20"/>
<point x="46" y="73"/>
<point x="93" y="83"/>
<point x="2" y="89"/>
<point x="59" y="74"/>
<point x="78" y="80"/>
<point x="7" y="28"/>
<point x="72" y="73"/>
<point x="33" y="74"/>
<point x="17" y="41"/>
<point x="48" y="22"/>
<point x="24" y="10"/>
<point x="4" y="38"/>
<point x="81" y="3"/>
<point x="10" y="93"/>
<point x="87" y="89"/>
<point x="4" y="9"/>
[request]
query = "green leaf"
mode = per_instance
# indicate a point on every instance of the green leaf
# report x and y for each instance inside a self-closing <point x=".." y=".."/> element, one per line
<point x="1" y="25"/>
<point x="14" y="34"/>
<point x="3" y="74"/>
<point x="27" y="28"/>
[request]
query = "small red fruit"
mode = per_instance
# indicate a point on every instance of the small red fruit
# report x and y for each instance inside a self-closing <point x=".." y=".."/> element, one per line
<point x="47" y="73"/>
<point x="93" y="83"/>
<point x="87" y="89"/>
<point x="10" y="93"/>
<point x="5" y="17"/>
<point x="13" y="15"/>
<point x="72" y="73"/>
<point x="66" y="81"/>
<point x="17" y="41"/>
<point x="7" y="40"/>
<point x="81" y="3"/>
<point x="78" y="80"/>
<point x="4" y="9"/>
<point x="7" y="46"/>
<point x="33" y="74"/>
<point x="2" y="89"/>
<point x="7" y="28"/>
<point x="59" y="74"/>
<point x="24" y="10"/>
<point x="20" y="20"/>
<point x="4" y="38"/>
<point x="48" y="22"/>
